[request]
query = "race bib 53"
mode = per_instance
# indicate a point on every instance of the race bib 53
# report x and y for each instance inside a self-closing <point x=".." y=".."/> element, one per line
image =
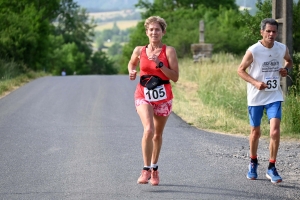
<point x="272" y="83"/>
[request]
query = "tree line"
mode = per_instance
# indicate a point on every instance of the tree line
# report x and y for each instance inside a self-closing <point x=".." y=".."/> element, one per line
<point x="59" y="34"/>
<point x="49" y="36"/>
<point x="226" y="27"/>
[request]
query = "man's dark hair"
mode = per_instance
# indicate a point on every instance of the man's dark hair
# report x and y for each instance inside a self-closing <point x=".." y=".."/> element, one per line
<point x="266" y="21"/>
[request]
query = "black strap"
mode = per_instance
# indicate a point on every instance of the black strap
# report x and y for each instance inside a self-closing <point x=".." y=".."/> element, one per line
<point x="148" y="76"/>
<point x="165" y="81"/>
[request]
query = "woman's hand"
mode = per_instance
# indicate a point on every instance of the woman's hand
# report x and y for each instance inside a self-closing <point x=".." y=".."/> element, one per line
<point x="132" y="74"/>
<point x="154" y="58"/>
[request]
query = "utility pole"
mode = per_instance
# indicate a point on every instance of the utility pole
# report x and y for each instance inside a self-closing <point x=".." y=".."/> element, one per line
<point x="282" y="12"/>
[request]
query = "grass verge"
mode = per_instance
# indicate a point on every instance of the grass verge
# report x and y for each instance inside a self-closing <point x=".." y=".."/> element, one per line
<point x="211" y="96"/>
<point x="9" y="85"/>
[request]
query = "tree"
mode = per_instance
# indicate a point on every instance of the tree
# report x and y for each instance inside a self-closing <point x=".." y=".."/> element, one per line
<point x="183" y="28"/>
<point x="75" y="26"/>
<point x="115" y="49"/>
<point x="65" y="56"/>
<point x="160" y="6"/>
<point x="252" y="23"/>
<point x="296" y="27"/>
<point x="29" y="38"/>
<point x="101" y="64"/>
<point x="24" y="31"/>
<point x="115" y="29"/>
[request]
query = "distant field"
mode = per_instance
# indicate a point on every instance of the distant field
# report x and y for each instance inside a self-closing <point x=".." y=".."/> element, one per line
<point x="110" y="15"/>
<point x="107" y="15"/>
<point x="121" y="24"/>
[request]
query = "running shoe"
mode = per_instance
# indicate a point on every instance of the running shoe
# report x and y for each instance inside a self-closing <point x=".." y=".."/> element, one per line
<point x="154" y="180"/>
<point x="145" y="176"/>
<point x="273" y="175"/>
<point x="252" y="173"/>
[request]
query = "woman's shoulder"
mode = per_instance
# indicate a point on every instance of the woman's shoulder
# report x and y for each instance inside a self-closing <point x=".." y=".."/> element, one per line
<point x="138" y="49"/>
<point x="170" y="49"/>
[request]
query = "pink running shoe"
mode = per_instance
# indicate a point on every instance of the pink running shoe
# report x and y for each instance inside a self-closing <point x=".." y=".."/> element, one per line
<point x="154" y="178"/>
<point x="145" y="176"/>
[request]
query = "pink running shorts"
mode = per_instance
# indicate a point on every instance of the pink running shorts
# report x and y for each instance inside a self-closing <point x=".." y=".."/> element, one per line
<point x="163" y="109"/>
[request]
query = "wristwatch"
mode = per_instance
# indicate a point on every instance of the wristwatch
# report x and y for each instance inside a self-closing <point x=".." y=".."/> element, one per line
<point x="287" y="69"/>
<point x="160" y="65"/>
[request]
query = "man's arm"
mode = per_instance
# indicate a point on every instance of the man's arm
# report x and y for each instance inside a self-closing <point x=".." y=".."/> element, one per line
<point x="246" y="62"/>
<point x="288" y="63"/>
<point x="288" y="59"/>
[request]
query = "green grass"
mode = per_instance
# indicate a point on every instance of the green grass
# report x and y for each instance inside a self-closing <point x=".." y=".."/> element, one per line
<point x="211" y="96"/>
<point x="291" y="114"/>
<point x="10" y="84"/>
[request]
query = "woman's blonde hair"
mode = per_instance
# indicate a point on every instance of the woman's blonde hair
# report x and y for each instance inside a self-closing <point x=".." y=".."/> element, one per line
<point x="157" y="19"/>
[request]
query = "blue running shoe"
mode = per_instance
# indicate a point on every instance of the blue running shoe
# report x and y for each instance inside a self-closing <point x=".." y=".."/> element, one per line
<point x="273" y="175"/>
<point x="252" y="173"/>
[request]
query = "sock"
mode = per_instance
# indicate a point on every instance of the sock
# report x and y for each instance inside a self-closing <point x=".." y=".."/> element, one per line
<point x="146" y="168"/>
<point x="154" y="166"/>
<point x="271" y="164"/>
<point x="254" y="159"/>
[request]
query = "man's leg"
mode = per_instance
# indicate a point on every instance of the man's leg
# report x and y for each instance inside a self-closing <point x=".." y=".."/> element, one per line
<point x="253" y="143"/>
<point x="274" y="115"/>
<point x="255" y="115"/>
<point x="274" y="137"/>
<point x="272" y="173"/>
<point x="254" y="140"/>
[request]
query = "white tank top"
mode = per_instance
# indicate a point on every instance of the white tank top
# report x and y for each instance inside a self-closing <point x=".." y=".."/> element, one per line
<point x="265" y="67"/>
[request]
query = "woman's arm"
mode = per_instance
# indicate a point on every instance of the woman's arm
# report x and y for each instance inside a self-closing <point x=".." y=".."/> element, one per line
<point x="133" y="62"/>
<point x="172" y="72"/>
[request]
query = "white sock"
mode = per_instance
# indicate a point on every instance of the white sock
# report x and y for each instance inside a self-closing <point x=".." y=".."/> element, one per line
<point x="153" y="165"/>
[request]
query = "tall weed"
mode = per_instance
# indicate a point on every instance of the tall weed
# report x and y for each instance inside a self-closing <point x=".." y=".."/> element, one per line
<point x="291" y="114"/>
<point x="291" y="109"/>
<point x="8" y="69"/>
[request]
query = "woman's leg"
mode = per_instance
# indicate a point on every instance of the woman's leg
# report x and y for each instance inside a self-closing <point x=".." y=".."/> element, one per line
<point x="159" y="125"/>
<point x="146" y="114"/>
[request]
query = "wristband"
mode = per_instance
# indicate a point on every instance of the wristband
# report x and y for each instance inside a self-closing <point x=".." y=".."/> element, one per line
<point x="160" y="65"/>
<point x="287" y="69"/>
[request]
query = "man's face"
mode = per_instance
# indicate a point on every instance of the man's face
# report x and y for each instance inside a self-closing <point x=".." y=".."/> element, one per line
<point x="269" y="34"/>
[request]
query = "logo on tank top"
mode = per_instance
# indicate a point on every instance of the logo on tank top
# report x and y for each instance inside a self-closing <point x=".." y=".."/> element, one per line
<point x="270" y="66"/>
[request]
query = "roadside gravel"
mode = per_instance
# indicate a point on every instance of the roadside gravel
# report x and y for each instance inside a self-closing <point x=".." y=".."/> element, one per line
<point x="288" y="158"/>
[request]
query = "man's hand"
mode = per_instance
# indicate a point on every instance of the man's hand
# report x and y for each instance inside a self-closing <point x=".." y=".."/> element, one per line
<point x="260" y="85"/>
<point x="283" y="72"/>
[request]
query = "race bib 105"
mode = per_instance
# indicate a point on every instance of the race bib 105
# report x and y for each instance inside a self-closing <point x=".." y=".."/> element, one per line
<point x="157" y="94"/>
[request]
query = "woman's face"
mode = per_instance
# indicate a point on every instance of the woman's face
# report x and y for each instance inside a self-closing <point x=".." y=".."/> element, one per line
<point x="154" y="32"/>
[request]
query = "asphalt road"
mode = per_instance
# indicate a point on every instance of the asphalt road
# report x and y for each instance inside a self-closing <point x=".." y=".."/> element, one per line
<point x="78" y="137"/>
